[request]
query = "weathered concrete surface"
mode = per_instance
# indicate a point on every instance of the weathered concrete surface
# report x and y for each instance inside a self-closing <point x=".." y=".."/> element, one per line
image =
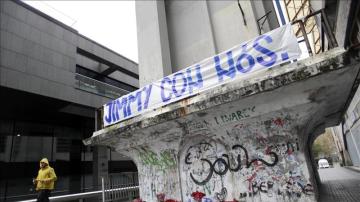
<point x="339" y="184"/>
<point x="247" y="140"/>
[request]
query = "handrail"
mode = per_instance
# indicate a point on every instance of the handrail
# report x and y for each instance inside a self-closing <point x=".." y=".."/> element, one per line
<point x="302" y="28"/>
<point x="84" y="195"/>
<point x="98" y="87"/>
<point x="105" y="84"/>
<point x="324" y="24"/>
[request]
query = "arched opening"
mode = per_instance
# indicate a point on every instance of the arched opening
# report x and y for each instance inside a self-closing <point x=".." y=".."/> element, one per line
<point x="325" y="152"/>
<point x="122" y="174"/>
<point x="335" y="175"/>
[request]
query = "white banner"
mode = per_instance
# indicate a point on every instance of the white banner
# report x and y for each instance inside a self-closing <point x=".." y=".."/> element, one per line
<point x="268" y="50"/>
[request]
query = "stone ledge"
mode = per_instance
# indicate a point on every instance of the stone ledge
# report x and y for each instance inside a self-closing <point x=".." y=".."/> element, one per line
<point x="263" y="81"/>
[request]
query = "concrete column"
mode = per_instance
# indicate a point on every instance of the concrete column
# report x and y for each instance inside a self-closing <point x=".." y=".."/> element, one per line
<point x="158" y="170"/>
<point x="357" y="150"/>
<point x="75" y="169"/>
<point x="100" y="165"/>
<point x="263" y="160"/>
<point x="343" y="14"/>
<point x="263" y="165"/>
<point x="248" y="140"/>
<point x="153" y="43"/>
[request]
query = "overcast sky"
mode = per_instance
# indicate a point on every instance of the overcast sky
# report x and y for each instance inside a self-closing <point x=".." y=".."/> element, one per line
<point x="110" y="23"/>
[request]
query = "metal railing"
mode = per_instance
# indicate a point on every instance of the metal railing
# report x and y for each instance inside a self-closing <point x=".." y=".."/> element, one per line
<point x="115" y="188"/>
<point x="118" y="193"/>
<point x="97" y="87"/>
<point x="325" y="31"/>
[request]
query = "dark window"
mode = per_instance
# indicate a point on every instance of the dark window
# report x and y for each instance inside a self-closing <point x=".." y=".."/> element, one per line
<point x="63" y="145"/>
<point x="2" y="144"/>
<point x="99" y="77"/>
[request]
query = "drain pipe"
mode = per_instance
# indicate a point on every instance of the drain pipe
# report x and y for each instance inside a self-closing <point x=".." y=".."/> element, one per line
<point x="242" y="13"/>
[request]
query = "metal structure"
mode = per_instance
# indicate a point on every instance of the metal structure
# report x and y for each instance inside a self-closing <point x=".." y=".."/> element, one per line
<point x="300" y="26"/>
<point x="114" y="187"/>
<point x="354" y="31"/>
<point x="261" y="21"/>
<point x="299" y="9"/>
<point x="120" y="193"/>
<point x="92" y="194"/>
<point x="97" y="87"/>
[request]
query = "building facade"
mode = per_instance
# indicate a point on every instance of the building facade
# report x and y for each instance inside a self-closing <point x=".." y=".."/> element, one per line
<point x="52" y="79"/>
<point x="344" y="17"/>
<point x="175" y="35"/>
<point x="347" y="134"/>
<point x="183" y="33"/>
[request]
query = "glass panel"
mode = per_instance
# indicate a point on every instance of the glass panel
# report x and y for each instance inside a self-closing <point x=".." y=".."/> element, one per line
<point x="98" y="87"/>
<point x="20" y="164"/>
<point x="22" y="147"/>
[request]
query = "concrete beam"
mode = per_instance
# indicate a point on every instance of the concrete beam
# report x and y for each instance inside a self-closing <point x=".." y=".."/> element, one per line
<point x="246" y="140"/>
<point x="153" y="48"/>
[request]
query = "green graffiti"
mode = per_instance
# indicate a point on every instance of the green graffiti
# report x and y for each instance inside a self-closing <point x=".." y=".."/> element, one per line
<point x="164" y="160"/>
<point x="208" y="189"/>
<point x="234" y="116"/>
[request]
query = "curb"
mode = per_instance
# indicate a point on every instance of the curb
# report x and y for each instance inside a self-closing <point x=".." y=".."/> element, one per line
<point x="353" y="168"/>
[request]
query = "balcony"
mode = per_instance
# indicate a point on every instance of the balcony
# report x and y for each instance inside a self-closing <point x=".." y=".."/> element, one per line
<point x="97" y="87"/>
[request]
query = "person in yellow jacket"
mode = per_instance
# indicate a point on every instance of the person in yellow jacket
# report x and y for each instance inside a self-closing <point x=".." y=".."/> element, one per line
<point x="45" y="180"/>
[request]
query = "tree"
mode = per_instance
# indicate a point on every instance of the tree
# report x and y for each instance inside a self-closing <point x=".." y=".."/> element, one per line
<point x="324" y="145"/>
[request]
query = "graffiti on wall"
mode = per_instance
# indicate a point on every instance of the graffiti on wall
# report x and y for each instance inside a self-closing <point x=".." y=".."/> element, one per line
<point x="222" y="164"/>
<point x="193" y="126"/>
<point x="261" y="160"/>
<point x="164" y="160"/>
<point x="154" y="168"/>
<point x="234" y="116"/>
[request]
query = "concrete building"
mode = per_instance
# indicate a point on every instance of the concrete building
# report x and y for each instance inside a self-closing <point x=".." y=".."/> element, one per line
<point x="343" y="20"/>
<point x="52" y="79"/>
<point x="183" y="33"/>
<point x="343" y="154"/>
<point x="346" y="27"/>
<point x="246" y="140"/>
<point x="347" y="134"/>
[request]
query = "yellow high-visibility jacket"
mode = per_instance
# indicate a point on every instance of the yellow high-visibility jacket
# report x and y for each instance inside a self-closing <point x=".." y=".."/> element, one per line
<point x="46" y="177"/>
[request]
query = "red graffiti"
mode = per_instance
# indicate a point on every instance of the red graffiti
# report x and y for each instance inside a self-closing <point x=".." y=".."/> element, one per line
<point x="268" y="150"/>
<point x="261" y="139"/>
<point x="160" y="197"/>
<point x="197" y="196"/>
<point x="171" y="200"/>
<point x="279" y="122"/>
<point x="250" y="179"/>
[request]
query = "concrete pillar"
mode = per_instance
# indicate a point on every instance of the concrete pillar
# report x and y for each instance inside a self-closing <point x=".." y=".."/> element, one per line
<point x="158" y="170"/>
<point x="191" y="32"/>
<point x="75" y="169"/>
<point x="244" y="141"/>
<point x="261" y="163"/>
<point x="263" y="160"/>
<point x="100" y="165"/>
<point x="153" y="43"/>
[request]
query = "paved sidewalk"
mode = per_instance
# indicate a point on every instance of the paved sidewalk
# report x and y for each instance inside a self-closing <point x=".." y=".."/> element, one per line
<point x="339" y="184"/>
<point x="354" y="168"/>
